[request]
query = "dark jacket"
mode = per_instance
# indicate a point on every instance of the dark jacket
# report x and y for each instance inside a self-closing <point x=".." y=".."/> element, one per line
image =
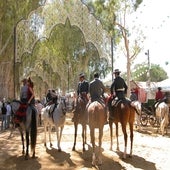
<point x="83" y="87"/>
<point x="119" y="87"/>
<point x="96" y="89"/>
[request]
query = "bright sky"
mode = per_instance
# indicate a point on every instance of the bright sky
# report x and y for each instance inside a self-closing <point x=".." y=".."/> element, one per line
<point x="154" y="19"/>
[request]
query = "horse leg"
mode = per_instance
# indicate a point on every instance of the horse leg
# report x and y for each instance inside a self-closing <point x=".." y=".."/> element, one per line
<point x="111" y="134"/>
<point x="83" y="136"/>
<point x="131" y="138"/>
<point x="75" y="136"/>
<point x="22" y="139"/>
<point x="125" y="139"/>
<point x="117" y="136"/>
<point x="59" y="135"/>
<point x="50" y="129"/>
<point x="100" y="145"/>
<point x="27" y="145"/>
<point x="92" y="131"/>
<point x="45" y="131"/>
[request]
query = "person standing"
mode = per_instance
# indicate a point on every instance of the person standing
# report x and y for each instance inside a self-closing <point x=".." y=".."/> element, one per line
<point x="3" y="111"/>
<point x="8" y="114"/>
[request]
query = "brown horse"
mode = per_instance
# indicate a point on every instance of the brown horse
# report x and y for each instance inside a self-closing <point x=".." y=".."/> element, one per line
<point x="96" y="115"/>
<point x="124" y="113"/>
<point x="80" y="117"/>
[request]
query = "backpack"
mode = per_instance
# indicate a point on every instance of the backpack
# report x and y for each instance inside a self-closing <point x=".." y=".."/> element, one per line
<point x="3" y="109"/>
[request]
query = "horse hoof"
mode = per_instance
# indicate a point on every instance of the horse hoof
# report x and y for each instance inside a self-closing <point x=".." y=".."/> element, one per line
<point x="73" y="149"/>
<point x="84" y="149"/>
<point x="59" y="150"/>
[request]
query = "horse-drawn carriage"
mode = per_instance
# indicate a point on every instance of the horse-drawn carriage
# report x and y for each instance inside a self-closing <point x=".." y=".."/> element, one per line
<point x="148" y="113"/>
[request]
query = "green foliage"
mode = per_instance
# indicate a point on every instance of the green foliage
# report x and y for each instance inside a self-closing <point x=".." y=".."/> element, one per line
<point x="157" y="73"/>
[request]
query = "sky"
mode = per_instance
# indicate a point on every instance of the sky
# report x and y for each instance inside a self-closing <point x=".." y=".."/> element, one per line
<point x="153" y="17"/>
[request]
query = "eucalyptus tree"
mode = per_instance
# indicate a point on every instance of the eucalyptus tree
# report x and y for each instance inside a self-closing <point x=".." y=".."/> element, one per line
<point x="114" y="15"/>
<point x="11" y="12"/>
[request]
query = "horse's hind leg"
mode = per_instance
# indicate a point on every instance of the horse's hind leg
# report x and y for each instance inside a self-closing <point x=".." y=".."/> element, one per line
<point x="125" y="139"/>
<point x="84" y="136"/>
<point x="22" y="139"/>
<point x="131" y="138"/>
<point x="27" y="145"/>
<point x="75" y="136"/>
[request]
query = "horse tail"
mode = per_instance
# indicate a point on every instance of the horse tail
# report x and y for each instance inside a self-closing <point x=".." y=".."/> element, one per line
<point x="33" y="129"/>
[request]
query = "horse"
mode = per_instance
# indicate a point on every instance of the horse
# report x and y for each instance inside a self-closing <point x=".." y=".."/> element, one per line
<point x="162" y="116"/>
<point x="55" y="118"/>
<point x="96" y="116"/>
<point x="80" y="117"/>
<point x="137" y="105"/>
<point x="124" y="113"/>
<point x="27" y="125"/>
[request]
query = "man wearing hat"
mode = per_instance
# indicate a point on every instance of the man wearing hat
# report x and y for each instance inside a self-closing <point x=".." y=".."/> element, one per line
<point x="82" y="90"/>
<point x="118" y="88"/>
<point x="83" y="87"/>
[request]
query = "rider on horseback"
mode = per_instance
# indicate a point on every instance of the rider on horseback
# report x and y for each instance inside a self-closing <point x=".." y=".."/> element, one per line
<point x="82" y="91"/>
<point x="52" y="98"/>
<point x="118" y="89"/>
<point x="96" y="90"/>
<point x="26" y="98"/>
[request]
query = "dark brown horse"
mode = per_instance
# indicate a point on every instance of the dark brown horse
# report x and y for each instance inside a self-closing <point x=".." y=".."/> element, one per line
<point x="96" y="114"/>
<point x="124" y="113"/>
<point x="80" y="117"/>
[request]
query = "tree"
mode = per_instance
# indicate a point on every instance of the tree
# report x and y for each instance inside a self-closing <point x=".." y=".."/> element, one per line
<point x="157" y="73"/>
<point x="115" y="17"/>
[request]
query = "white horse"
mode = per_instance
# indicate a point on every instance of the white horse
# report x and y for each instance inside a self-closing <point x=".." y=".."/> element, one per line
<point x="54" y="118"/>
<point x="162" y="116"/>
<point x="138" y="108"/>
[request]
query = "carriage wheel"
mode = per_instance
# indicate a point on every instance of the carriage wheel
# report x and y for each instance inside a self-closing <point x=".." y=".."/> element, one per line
<point x="152" y="120"/>
<point x="144" y="119"/>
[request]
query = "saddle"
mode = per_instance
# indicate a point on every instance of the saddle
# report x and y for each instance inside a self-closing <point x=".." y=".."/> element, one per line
<point x="20" y="114"/>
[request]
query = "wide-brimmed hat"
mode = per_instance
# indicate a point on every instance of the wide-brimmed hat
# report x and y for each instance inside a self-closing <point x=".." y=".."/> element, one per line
<point x="81" y="75"/>
<point x="116" y="71"/>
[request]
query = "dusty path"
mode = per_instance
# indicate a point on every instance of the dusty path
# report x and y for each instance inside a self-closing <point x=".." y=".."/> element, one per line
<point x="151" y="152"/>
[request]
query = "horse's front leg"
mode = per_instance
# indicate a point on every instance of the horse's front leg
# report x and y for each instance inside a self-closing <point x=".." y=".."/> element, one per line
<point x="27" y="145"/>
<point x="59" y="132"/>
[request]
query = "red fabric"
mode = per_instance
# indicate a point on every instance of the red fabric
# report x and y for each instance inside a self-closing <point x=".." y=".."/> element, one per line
<point x="21" y="112"/>
<point x="159" y="95"/>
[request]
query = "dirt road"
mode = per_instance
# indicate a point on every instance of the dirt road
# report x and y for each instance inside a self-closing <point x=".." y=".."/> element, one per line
<point x="151" y="151"/>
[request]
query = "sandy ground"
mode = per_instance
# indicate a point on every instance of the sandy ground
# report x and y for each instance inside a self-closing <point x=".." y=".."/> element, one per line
<point x="151" y="151"/>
